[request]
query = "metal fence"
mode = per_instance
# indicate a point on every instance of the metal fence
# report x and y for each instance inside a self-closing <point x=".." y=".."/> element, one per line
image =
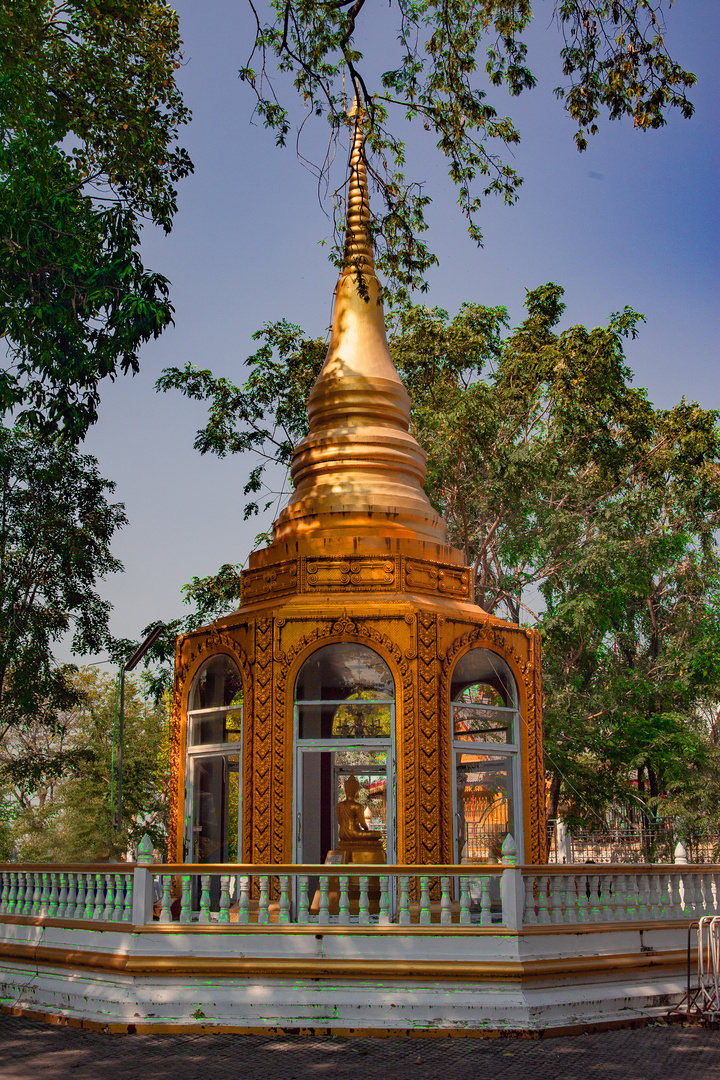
<point x="630" y="845"/>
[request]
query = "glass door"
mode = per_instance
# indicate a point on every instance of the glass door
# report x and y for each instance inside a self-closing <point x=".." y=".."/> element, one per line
<point x="321" y="773"/>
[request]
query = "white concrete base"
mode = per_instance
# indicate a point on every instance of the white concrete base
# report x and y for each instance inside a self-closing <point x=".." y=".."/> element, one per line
<point x="603" y="984"/>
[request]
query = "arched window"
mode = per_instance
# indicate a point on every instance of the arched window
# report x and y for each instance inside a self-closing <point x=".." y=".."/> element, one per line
<point x="344" y="691"/>
<point x="216" y="700"/>
<point x="485" y="738"/>
<point x="213" y="797"/>
<point x="344" y="723"/>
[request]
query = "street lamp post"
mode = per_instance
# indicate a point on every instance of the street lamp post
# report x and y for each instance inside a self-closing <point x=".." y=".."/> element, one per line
<point x="131" y="663"/>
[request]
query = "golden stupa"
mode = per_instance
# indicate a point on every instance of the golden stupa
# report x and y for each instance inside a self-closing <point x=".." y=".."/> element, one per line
<point x="358" y="647"/>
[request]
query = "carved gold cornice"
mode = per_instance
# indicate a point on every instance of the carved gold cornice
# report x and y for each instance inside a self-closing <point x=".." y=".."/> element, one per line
<point x="356" y="574"/>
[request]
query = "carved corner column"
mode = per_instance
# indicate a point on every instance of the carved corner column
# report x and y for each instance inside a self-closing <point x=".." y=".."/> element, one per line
<point x="536" y="848"/>
<point x="429" y="746"/>
<point x="260" y="848"/>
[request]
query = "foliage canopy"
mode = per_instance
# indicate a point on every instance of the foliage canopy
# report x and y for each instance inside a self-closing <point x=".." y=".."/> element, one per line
<point x="89" y="117"/>
<point x="453" y="60"/>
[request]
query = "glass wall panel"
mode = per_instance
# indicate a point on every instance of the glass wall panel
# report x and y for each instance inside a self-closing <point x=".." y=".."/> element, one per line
<point x="217" y="684"/>
<point x="485" y="805"/>
<point x="342" y="672"/>
<point x="482" y="677"/>
<point x="482" y="723"/>
<point x="344" y="721"/>
<point x="215" y="808"/>
<point x="324" y="773"/>
<point x="216" y="726"/>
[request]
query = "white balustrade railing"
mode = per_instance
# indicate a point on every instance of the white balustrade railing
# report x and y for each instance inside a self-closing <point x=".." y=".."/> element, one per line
<point x="610" y="893"/>
<point x="95" y="893"/>
<point x="483" y="895"/>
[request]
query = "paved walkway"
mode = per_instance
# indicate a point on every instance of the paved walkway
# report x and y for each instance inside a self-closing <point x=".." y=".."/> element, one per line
<point x="30" y="1050"/>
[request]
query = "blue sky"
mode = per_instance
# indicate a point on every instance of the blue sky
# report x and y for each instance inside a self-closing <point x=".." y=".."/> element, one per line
<point x="634" y="220"/>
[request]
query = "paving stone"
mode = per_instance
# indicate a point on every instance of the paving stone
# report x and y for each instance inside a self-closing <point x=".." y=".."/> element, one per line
<point x="30" y="1049"/>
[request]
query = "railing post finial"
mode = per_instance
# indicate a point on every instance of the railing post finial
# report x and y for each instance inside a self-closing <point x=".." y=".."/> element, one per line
<point x="509" y="851"/>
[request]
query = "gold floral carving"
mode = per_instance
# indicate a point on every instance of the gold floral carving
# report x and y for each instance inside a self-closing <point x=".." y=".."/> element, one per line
<point x="329" y="575"/>
<point x="262" y="746"/>
<point x="429" y="748"/>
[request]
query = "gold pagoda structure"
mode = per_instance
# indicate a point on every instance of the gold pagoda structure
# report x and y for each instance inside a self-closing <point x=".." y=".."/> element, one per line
<point x="358" y="650"/>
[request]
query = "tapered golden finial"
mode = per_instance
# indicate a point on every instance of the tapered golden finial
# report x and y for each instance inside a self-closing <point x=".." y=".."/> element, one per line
<point x="359" y="256"/>
<point x="359" y="473"/>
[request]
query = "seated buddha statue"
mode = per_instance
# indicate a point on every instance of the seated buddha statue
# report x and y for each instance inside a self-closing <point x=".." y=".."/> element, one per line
<point x="353" y="833"/>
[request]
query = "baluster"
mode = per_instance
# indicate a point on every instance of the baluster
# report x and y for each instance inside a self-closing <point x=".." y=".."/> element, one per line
<point x="186" y="899"/>
<point x="569" y="899"/>
<point x="543" y="916"/>
<point x="5" y="892"/>
<point x="485" y="905"/>
<point x="384" y="913"/>
<point x="13" y="893"/>
<point x="556" y="897"/>
<point x="654" y="911"/>
<point x="583" y="913"/>
<point x="445" y="906"/>
<point x="364" y="904"/>
<point x="425" y="918"/>
<point x="243" y="900"/>
<point x="224" y="915"/>
<point x="263" y="912"/>
<point x="166" y="901"/>
<point x="593" y="900"/>
<point x="99" y="898"/>
<point x="119" y="883"/>
<point x="631" y="907"/>
<point x="61" y="908"/>
<point x="529" y="913"/>
<point x="676" y="909"/>
<point x="686" y="904"/>
<point x="89" y="909"/>
<point x="53" y="895"/>
<point x="20" y="893"/>
<point x="465" y="917"/>
<point x="716" y="893"/>
<point x="37" y="894"/>
<point x="128" y="904"/>
<point x="642" y="896"/>
<point x="611" y="899"/>
<point x="697" y="895"/>
<point x="344" y="901"/>
<point x="404" y="903"/>
<point x="107" y="912"/>
<point x="78" y="911"/>
<point x="44" y="894"/>
<point x="204" y="916"/>
<point x="660" y="895"/>
<point x="284" y="909"/>
<point x="324" y="905"/>
<point x="621" y="897"/>
<point x="303" y="899"/>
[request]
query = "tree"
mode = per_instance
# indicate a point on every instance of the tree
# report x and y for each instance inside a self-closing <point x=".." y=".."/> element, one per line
<point x="89" y="117"/>
<point x="452" y="58"/>
<point x="56" y="527"/>
<point x="69" y="817"/>
<point x="583" y="510"/>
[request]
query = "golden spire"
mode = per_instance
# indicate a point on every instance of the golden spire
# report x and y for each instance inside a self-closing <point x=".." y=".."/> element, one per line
<point x="359" y="472"/>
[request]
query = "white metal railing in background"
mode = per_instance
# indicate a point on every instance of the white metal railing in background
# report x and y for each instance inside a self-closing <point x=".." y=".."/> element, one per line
<point x="488" y="895"/>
